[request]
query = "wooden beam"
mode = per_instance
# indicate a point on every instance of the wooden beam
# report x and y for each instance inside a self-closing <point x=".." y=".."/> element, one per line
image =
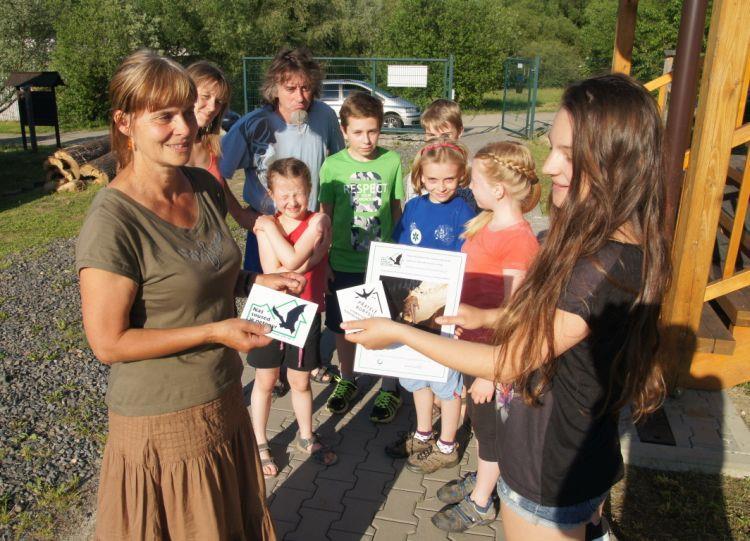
<point x="622" y="59"/>
<point x="741" y="135"/>
<point x="700" y="203"/>
<point x="738" y="227"/>
<point x="660" y="81"/>
<point x="721" y="287"/>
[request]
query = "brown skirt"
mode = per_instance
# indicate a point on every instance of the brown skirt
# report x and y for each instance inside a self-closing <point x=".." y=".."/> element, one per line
<point x="191" y="474"/>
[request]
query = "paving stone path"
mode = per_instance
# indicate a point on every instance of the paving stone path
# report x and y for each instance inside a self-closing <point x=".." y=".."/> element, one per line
<point x="366" y="495"/>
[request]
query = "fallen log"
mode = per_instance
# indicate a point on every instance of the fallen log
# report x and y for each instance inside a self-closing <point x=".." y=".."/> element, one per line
<point x="55" y="166"/>
<point x="73" y="157"/>
<point x="101" y="170"/>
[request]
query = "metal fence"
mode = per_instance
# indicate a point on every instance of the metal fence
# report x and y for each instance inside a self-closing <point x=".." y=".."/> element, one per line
<point x="404" y="85"/>
<point x="520" y="83"/>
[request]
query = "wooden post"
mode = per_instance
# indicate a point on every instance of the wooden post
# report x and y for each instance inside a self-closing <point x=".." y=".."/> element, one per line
<point x="624" y="36"/>
<point x="700" y="203"/>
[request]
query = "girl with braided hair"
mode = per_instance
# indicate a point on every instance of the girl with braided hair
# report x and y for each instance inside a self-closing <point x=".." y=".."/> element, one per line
<point x="578" y="340"/>
<point x="499" y="247"/>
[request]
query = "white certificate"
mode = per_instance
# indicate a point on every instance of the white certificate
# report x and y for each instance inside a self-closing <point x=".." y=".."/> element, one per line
<point x="420" y="284"/>
<point x="290" y="317"/>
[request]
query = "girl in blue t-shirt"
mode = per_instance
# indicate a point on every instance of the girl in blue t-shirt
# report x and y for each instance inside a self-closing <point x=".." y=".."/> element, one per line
<point x="434" y="220"/>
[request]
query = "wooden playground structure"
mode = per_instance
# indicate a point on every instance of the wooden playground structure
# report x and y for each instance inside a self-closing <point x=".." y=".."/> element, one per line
<point x="706" y="315"/>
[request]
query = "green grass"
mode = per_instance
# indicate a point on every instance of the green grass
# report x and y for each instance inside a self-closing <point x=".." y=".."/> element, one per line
<point x="29" y="219"/>
<point x="651" y="504"/>
<point x="548" y="100"/>
<point x="13" y="127"/>
<point x="539" y="150"/>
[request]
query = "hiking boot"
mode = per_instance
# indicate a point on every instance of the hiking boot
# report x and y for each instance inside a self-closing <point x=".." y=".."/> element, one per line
<point x="385" y="407"/>
<point x="463" y="515"/>
<point x="342" y="395"/>
<point x="432" y="459"/>
<point x="456" y="490"/>
<point x="406" y="445"/>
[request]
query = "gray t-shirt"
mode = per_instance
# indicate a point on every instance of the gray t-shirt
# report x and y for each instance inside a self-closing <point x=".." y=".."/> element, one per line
<point x="185" y="277"/>
<point x="262" y="136"/>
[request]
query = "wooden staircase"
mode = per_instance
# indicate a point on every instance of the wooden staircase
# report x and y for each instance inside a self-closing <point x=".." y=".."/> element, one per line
<point x="722" y="357"/>
<point x="706" y="314"/>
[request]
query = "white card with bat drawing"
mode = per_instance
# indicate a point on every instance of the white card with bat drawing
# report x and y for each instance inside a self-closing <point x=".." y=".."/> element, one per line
<point x="361" y="302"/>
<point x="419" y="284"/>
<point x="290" y="317"/>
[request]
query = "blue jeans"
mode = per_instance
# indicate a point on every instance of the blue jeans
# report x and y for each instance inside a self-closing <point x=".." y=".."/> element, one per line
<point x="561" y="518"/>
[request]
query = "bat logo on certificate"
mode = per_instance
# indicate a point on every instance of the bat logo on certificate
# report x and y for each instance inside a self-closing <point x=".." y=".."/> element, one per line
<point x="290" y="321"/>
<point x="364" y="295"/>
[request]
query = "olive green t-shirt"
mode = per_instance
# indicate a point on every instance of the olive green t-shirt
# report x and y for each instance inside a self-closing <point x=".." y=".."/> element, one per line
<point x="185" y="277"/>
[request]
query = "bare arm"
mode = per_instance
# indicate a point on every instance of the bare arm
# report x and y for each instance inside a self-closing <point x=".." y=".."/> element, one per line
<point x="269" y="262"/>
<point x="469" y="357"/>
<point x="244" y="216"/>
<point x="106" y="300"/>
<point x="293" y="256"/>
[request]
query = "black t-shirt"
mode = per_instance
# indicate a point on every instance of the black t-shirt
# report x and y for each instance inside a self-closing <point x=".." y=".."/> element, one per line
<point x="566" y="451"/>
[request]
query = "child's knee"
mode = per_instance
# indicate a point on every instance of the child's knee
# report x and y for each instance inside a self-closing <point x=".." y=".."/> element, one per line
<point x="265" y="379"/>
<point x="299" y="381"/>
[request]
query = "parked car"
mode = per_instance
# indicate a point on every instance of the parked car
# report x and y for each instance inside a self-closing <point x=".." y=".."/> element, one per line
<point x="398" y="111"/>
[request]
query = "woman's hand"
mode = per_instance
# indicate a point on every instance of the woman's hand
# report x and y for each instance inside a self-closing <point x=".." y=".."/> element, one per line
<point x="482" y="391"/>
<point x="288" y="282"/>
<point x="375" y="333"/>
<point x="470" y="317"/>
<point x="239" y="334"/>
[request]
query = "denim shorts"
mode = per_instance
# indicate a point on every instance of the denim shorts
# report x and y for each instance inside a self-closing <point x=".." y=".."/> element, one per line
<point x="561" y="518"/>
<point x="447" y="390"/>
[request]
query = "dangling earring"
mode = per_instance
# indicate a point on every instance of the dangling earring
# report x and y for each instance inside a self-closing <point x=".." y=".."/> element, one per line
<point x="131" y="145"/>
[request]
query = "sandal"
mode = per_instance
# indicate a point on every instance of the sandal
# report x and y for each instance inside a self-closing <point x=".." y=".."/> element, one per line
<point x="280" y="388"/>
<point x="322" y="455"/>
<point x="323" y="375"/>
<point x="268" y="461"/>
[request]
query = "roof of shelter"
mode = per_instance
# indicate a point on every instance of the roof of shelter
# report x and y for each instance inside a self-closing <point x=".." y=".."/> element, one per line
<point x="34" y="78"/>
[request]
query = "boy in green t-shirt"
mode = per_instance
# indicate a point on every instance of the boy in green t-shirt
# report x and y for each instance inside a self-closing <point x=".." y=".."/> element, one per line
<point x="361" y="189"/>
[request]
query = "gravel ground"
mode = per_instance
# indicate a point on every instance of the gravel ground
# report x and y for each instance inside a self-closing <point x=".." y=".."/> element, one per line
<point x="51" y="395"/>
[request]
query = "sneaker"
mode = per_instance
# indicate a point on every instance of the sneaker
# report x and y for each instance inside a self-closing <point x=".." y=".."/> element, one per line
<point x="456" y="490"/>
<point x="406" y="445"/>
<point x="463" y="515"/>
<point x="385" y="407"/>
<point x="432" y="459"/>
<point x="341" y="396"/>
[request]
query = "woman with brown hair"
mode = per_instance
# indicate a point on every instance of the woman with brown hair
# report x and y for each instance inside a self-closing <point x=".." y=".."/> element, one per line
<point x="214" y="92"/>
<point x="577" y="340"/>
<point x="159" y="272"/>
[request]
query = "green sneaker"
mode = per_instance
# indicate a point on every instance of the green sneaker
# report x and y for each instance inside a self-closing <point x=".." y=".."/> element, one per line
<point x="342" y="395"/>
<point x="456" y="490"/>
<point x="463" y="515"/>
<point x="385" y="407"/>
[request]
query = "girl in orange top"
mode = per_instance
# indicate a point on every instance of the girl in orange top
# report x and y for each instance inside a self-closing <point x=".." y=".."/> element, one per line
<point x="211" y="104"/>
<point x="500" y="247"/>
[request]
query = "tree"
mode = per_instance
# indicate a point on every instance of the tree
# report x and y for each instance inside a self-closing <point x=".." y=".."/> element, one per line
<point x="479" y="34"/>
<point x="656" y="30"/>
<point x="26" y="39"/>
<point x="93" y="37"/>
